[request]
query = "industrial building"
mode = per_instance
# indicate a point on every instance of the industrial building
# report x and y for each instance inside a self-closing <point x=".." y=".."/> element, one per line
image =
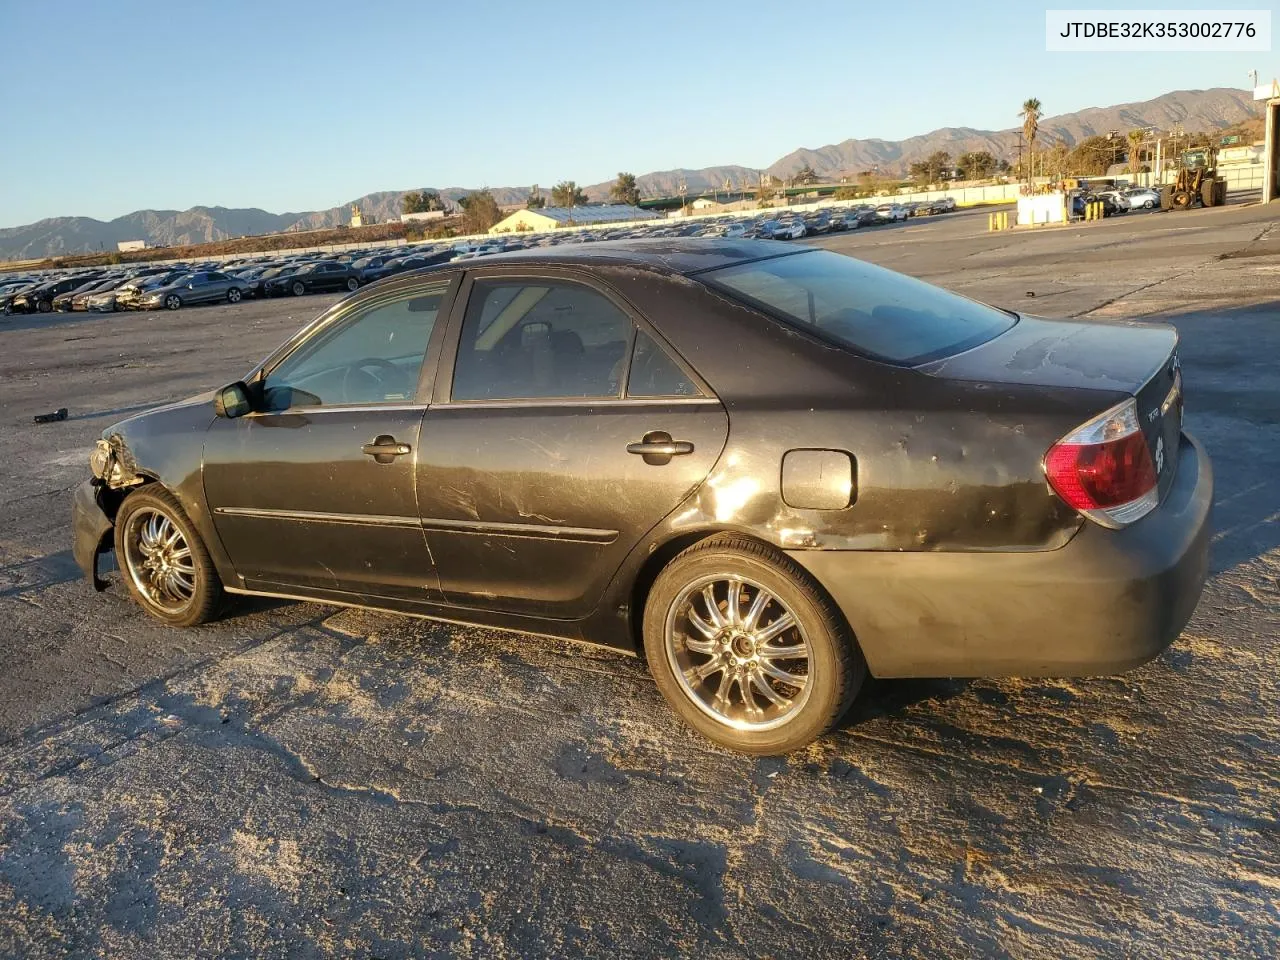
<point x="552" y="218"/>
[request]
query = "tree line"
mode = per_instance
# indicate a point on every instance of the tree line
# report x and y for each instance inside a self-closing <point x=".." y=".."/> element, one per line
<point x="479" y="210"/>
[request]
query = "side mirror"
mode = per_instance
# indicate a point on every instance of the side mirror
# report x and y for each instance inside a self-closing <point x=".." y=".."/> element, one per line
<point x="232" y="401"/>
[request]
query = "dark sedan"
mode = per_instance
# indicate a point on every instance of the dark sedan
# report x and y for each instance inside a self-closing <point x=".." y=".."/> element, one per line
<point x="769" y="469"/>
<point x="417" y="261"/>
<point x="313" y="278"/>
<point x="39" y="299"/>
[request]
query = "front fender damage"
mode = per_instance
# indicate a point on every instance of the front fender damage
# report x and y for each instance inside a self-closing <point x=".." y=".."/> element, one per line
<point x="96" y="501"/>
<point x="91" y="530"/>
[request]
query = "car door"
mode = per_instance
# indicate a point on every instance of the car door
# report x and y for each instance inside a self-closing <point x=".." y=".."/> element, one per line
<point x="197" y="288"/>
<point x="219" y="284"/>
<point x="533" y="482"/>
<point x="314" y="489"/>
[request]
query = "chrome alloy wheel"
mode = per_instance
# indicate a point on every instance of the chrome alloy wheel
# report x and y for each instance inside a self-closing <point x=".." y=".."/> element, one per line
<point x="158" y="559"/>
<point x="738" y="653"/>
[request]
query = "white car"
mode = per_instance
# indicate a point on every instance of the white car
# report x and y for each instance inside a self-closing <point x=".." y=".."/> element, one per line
<point x="734" y="230"/>
<point x="892" y="211"/>
<point x="1141" y="199"/>
<point x="789" y="230"/>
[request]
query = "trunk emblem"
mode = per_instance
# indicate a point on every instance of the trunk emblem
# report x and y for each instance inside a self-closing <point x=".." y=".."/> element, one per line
<point x="1160" y="455"/>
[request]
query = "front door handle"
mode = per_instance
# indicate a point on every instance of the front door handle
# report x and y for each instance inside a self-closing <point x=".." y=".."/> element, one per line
<point x="385" y="449"/>
<point x="658" y="448"/>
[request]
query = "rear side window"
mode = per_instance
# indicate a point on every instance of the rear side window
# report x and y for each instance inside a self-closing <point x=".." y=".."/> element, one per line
<point x="654" y="373"/>
<point x="540" y="339"/>
<point x="879" y="313"/>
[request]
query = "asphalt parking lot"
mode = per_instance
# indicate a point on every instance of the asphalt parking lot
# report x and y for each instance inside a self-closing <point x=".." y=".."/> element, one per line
<point x="298" y="780"/>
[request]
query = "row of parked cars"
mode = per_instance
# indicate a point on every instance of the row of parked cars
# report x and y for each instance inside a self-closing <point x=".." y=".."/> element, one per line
<point x="173" y="286"/>
<point x="1116" y="201"/>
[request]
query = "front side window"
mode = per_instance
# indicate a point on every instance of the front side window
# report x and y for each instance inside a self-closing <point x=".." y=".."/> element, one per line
<point x="879" y="313"/>
<point x="540" y="339"/>
<point x="372" y="357"/>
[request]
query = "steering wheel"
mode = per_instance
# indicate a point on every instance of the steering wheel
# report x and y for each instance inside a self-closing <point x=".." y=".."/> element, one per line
<point x="386" y="377"/>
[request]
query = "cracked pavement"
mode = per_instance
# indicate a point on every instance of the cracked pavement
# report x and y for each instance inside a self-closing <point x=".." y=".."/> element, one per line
<point x="298" y="780"/>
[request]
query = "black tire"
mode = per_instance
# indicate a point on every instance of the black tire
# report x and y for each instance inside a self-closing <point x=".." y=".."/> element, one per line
<point x="1148" y="204"/>
<point x="834" y="666"/>
<point x="1166" y="198"/>
<point x="353" y="284"/>
<point x="206" y="594"/>
<point x="298" y="288"/>
<point x="1206" y="194"/>
<point x="172" y="302"/>
<point x="44" y="306"/>
<point x="1181" y="199"/>
<point x="234" y="295"/>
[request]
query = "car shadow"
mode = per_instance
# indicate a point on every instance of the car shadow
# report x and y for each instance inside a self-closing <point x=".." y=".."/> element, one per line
<point x="38" y="573"/>
<point x="892" y="698"/>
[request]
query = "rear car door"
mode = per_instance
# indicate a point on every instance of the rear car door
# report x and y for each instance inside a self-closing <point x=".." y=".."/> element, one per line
<point x="314" y="490"/>
<point x="532" y="481"/>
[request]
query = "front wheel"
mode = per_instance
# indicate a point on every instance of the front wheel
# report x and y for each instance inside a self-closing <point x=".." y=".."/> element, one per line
<point x="352" y="284"/>
<point x="747" y="649"/>
<point x="44" y="306"/>
<point x="298" y="288"/>
<point x="1148" y="204"/>
<point x="165" y="564"/>
<point x="233" y="295"/>
<point x="172" y="302"/>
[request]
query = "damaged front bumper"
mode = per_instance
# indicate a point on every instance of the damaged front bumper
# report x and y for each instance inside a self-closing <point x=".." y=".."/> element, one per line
<point x="91" y="530"/>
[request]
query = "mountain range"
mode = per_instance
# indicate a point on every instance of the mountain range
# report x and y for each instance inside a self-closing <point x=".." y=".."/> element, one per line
<point x="1195" y="110"/>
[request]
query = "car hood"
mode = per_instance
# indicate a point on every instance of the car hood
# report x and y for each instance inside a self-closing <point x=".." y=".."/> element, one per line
<point x="168" y="414"/>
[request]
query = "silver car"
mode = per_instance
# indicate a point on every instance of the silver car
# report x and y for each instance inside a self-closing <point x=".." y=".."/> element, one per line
<point x="204" y="287"/>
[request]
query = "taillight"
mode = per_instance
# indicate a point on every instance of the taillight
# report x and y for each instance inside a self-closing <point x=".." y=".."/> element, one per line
<point x="1104" y="468"/>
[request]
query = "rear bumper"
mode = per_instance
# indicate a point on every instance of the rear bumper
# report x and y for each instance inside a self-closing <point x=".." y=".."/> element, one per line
<point x="1107" y="601"/>
<point x="91" y="528"/>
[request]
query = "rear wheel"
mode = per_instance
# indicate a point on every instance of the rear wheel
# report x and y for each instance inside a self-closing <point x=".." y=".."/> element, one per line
<point x="165" y="564"/>
<point x="233" y="295"/>
<point x="1148" y="204"/>
<point x="1181" y="199"/>
<point x="352" y="283"/>
<point x="1206" y="193"/>
<point x="747" y="649"/>
<point x="298" y="288"/>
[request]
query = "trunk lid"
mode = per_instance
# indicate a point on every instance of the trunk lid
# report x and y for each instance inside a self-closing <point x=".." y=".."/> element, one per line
<point x="1139" y="360"/>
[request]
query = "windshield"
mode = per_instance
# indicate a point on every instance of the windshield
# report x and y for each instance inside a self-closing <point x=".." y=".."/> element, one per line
<point x="879" y="313"/>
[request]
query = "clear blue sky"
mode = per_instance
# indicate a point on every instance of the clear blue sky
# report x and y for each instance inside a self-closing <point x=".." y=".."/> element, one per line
<point x="287" y="105"/>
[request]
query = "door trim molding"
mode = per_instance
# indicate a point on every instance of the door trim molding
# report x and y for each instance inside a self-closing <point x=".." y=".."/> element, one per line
<point x="535" y="530"/>
<point x="478" y="527"/>
<point x="311" y="516"/>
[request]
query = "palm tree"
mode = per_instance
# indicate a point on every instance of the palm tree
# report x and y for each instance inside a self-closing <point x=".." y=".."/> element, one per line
<point x="1030" y="125"/>
<point x="1135" y="150"/>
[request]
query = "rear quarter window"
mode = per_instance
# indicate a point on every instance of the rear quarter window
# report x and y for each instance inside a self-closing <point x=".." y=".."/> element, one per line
<point x="884" y="315"/>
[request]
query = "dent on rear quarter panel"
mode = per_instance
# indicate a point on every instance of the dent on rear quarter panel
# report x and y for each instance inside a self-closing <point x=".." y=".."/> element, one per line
<point x="940" y="464"/>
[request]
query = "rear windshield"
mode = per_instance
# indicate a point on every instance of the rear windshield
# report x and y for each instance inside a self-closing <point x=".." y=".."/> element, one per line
<point x="877" y="312"/>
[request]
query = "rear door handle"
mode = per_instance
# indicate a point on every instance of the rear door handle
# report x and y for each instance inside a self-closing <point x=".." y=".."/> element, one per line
<point x="385" y="449"/>
<point x="658" y="448"/>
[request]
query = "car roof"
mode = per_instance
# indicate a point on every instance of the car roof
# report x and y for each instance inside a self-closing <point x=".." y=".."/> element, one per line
<point x="682" y="255"/>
